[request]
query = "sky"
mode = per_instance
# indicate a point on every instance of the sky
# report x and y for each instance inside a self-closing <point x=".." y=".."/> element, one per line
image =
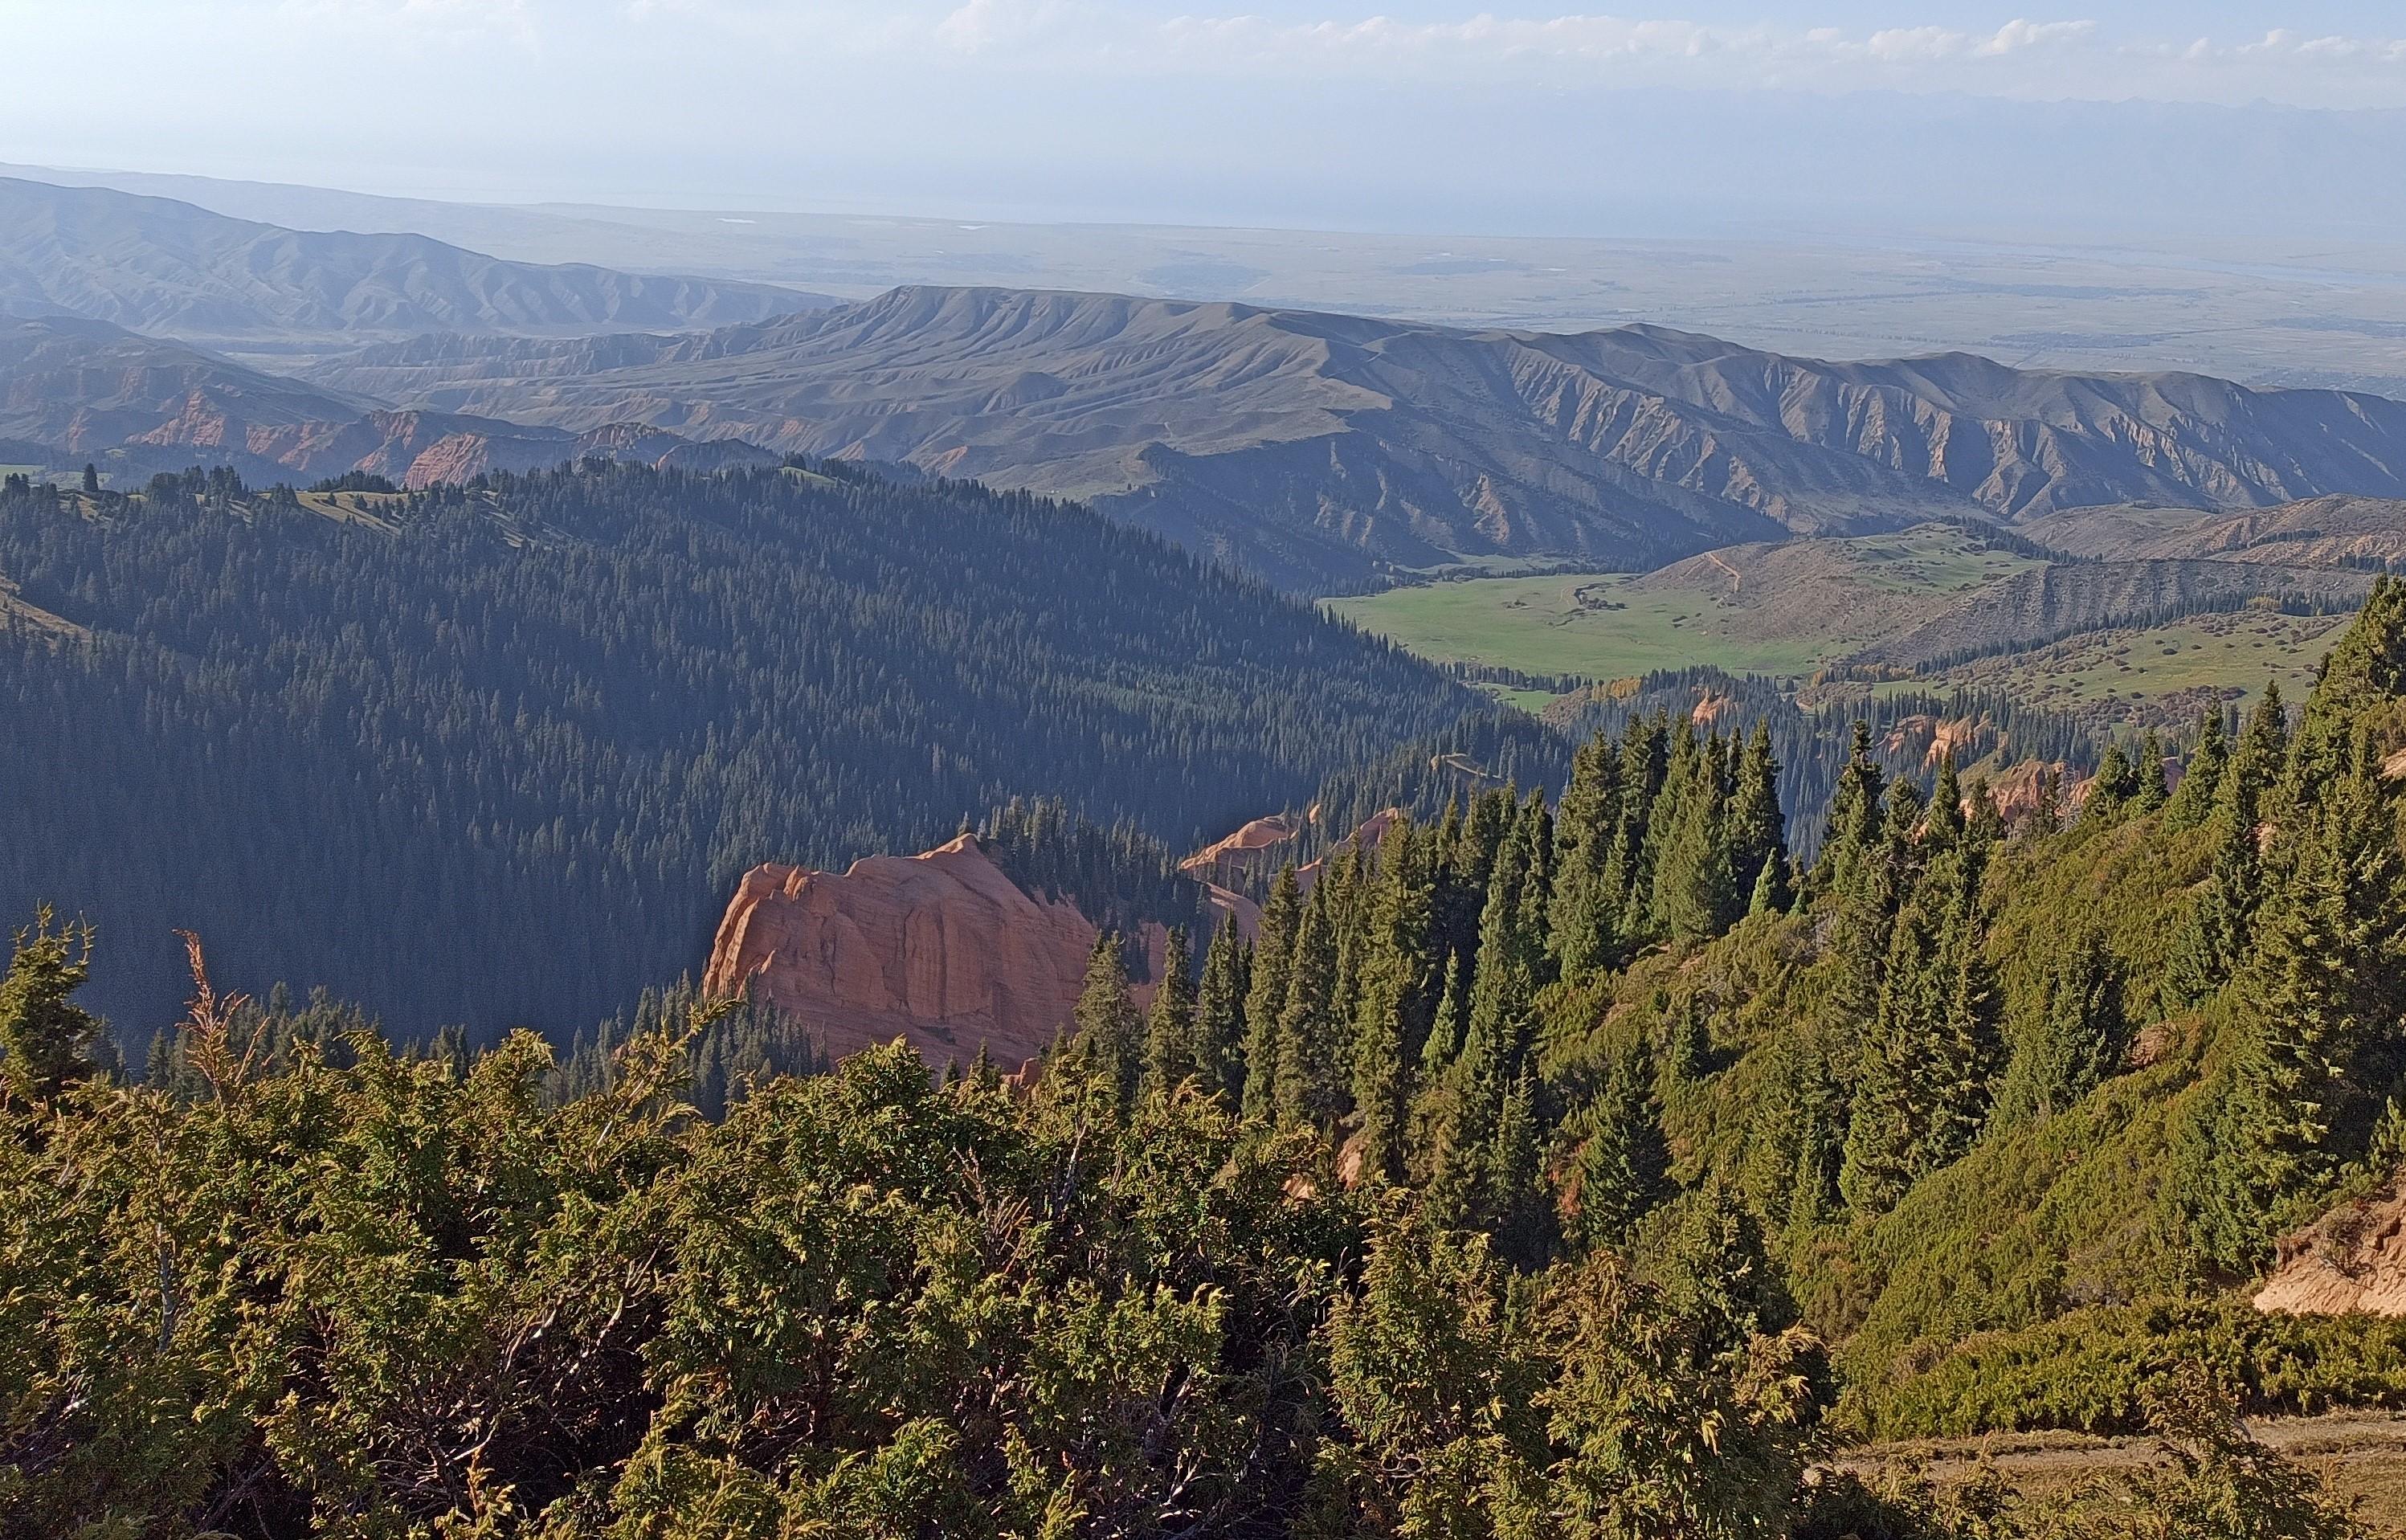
<point x="1522" y="116"/>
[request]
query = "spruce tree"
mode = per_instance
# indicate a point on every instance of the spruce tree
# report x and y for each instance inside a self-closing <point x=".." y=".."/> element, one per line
<point x="2217" y="930"/>
<point x="1944" y="827"/>
<point x="2192" y="802"/>
<point x="2152" y="793"/>
<point x="47" y="1041"/>
<point x="1266" y="994"/>
<point x="1536" y="830"/>
<point x="2047" y="803"/>
<point x="1621" y="1162"/>
<point x="1107" y="1046"/>
<point x="1695" y="882"/>
<point x="1929" y="1066"/>
<point x="1169" y="1056"/>
<point x="2114" y="787"/>
<point x="1854" y="816"/>
<point x="2324" y="990"/>
<point x="2077" y="1035"/>
<point x="1310" y="1087"/>
<point x="1512" y="1199"/>
<point x="1757" y="829"/>
<point x="1445" y="1029"/>
<point x="1393" y="1008"/>
<point x="1220" y="1013"/>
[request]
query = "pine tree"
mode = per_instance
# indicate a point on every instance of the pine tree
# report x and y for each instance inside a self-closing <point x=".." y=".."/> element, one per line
<point x="2046" y="805"/>
<point x="1220" y="1013"/>
<point x="1107" y="1045"/>
<point x="2192" y="802"/>
<point x="1925" y="1083"/>
<point x="1629" y="873"/>
<point x="2324" y="991"/>
<point x="46" y="1040"/>
<point x="1393" y="1010"/>
<point x="1854" y="816"/>
<point x="2215" y="933"/>
<point x="1445" y="1029"/>
<point x="1513" y="1202"/>
<point x="1757" y="829"/>
<point x="1619" y="1168"/>
<point x="2078" y="1034"/>
<point x="1695" y="883"/>
<point x="1266" y="994"/>
<point x="1944" y="827"/>
<point x="1536" y="831"/>
<point x="1344" y="879"/>
<point x="2114" y="789"/>
<point x="1169" y="1056"/>
<point x="2152" y="793"/>
<point x="1311" y="1064"/>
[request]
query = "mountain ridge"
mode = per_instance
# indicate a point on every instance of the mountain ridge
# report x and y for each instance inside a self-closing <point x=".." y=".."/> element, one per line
<point x="86" y="389"/>
<point x="172" y="268"/>
<point x="1325" y="450"/>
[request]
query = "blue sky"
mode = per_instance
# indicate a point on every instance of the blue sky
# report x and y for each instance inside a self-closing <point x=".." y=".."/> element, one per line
<point x="1432" y="113"/>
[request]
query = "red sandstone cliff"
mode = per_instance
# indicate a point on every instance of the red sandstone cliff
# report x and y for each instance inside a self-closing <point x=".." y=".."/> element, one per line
<point x="2353" y="1259"/>
<point x="941" y="949"/>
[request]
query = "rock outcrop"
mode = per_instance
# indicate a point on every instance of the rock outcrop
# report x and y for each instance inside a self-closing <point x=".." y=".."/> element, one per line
<point x="2352" y="1260"/>
<point x="1251" y="851"/>
<point x="942" y="949"/>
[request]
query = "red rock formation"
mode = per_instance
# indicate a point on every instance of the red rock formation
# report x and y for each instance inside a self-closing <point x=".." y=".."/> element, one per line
<point x="1365" y="838"/>
<point x="1252" y="848"/>
<point x="942" y="949"/>
<point x="2350" y="1260"/>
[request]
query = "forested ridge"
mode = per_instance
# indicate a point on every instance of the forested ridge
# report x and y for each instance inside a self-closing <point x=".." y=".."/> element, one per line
<point x="496" y="755"/>
<point x="1575" y="1167"/>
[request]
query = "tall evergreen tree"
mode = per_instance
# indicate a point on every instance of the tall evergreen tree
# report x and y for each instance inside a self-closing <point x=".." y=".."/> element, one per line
<point x="1394" y="1006"/>
<point x="1854" y="816"/>
<point x="1311" y="1083"/>
<point x="2077" y="1033"/>
<point x="1621" y="1162"/>
<point x="1929" y="1066"/>
<point x="1220" y="1013"/>
<point x="2325" y="989"/>
<point x="1513" y="1200"/>
<point x="46" y="1040"/>
<point x="2153" y="792"/>
<point x="1695" y="882"/>
<point x="1266" y="992"/>
<point x="2192" y="802"/>
<point x="1170" y="1036"/>
<point x="1108" y="1044"/>
<point x="1757" y="829"/>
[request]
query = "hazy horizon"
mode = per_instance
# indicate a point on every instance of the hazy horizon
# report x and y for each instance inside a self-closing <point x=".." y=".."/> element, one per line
<point x="1933" y="117"/>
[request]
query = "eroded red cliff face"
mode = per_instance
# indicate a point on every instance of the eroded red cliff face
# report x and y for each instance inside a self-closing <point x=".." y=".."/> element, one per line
<point x="942" y="949"/>
<point x="2350" y="1260"/>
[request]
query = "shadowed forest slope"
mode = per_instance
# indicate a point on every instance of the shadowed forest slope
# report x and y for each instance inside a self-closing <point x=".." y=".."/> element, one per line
<point x="497" y="755"/>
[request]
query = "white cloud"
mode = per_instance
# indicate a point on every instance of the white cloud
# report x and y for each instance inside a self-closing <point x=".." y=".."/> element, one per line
<point x="984" y="24"/>
<point x="2074" y="57"/>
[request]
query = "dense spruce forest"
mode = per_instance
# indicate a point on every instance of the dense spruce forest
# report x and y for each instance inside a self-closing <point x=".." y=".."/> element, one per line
<point x="1574" y="1167"/>
<point x="496" y="755"/>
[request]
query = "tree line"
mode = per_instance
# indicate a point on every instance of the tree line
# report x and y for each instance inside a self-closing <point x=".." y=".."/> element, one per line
<point x="504" y="765"/>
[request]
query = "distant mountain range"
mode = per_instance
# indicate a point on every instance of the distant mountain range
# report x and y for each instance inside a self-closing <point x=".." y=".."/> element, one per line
<point x="1323" y="450"/>
<point x="169" y="268"/>
<point x="73" y="392"/>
